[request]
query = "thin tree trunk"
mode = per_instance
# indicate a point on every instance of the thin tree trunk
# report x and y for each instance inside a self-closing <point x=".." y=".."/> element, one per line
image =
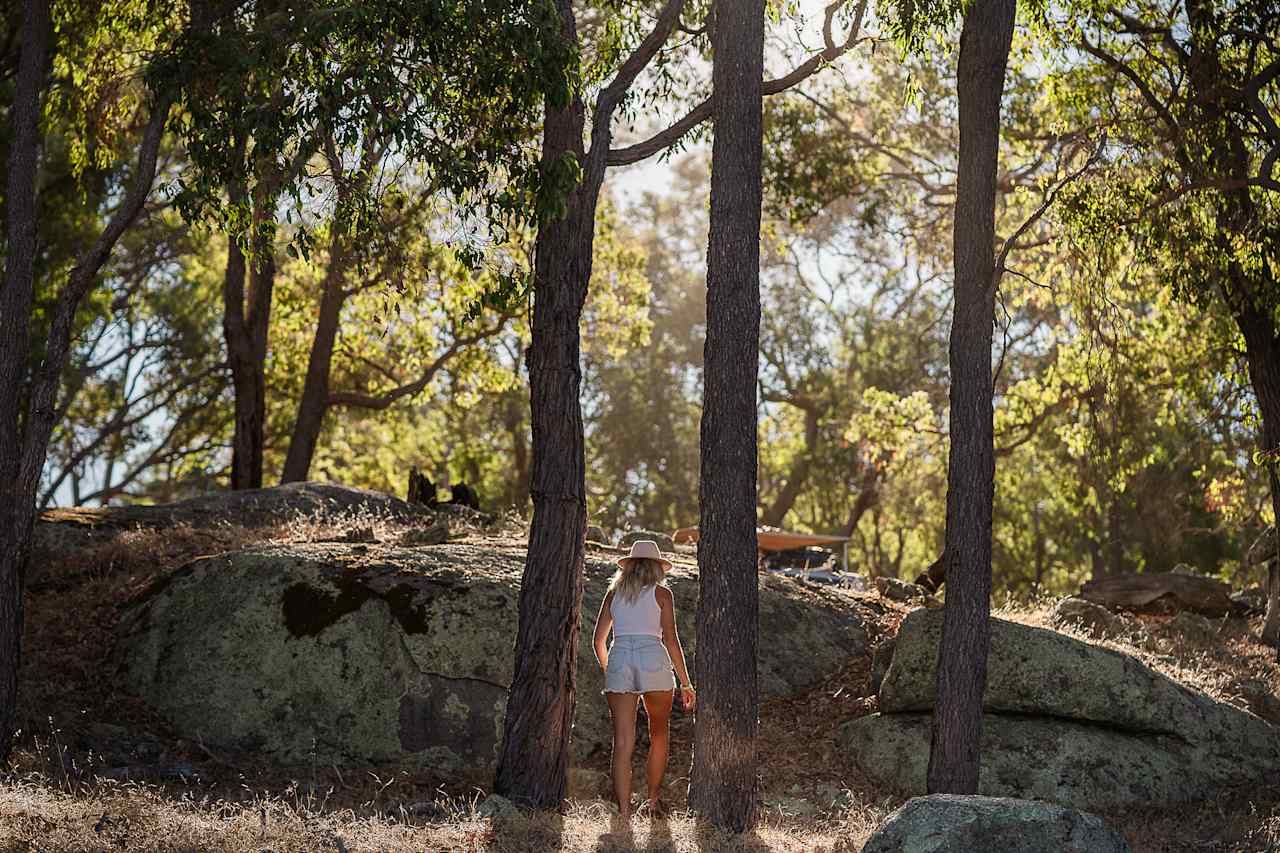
<point x="962" y="653"/>
<point x="245" y="324"/>
<point x="518" y="485"/>
<point x="241" y="362"/>
<point x="723" y="786"/>
<point x="314" y="402"/>
<point x="17" y="508"/>
<point x="866" y="499"/>
<point x="533" y="765"/>
<point x="799" y="472"/>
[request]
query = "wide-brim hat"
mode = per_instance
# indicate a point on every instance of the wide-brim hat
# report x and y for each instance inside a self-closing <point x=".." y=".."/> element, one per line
<point x="645" y="549"/>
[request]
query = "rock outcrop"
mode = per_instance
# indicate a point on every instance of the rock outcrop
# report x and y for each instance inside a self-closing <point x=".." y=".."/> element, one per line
<point x="372" y="653"/>
<point x="945" y="823"/>
<point x="61" y="531"/>
<point x="1067" y="722"/>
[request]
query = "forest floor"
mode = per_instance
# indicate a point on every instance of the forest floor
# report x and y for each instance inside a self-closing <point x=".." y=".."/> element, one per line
<point x="59" y="792"/>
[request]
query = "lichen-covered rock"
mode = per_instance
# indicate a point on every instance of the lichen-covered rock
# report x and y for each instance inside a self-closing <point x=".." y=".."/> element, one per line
<point x="1072" y="764"/>
<point x="1092" y="618"/>
<point x="379" y="653"/>
<point x="1066" y="721"/>
<point x="946" y="823"/>
<point x="665" y="543"/>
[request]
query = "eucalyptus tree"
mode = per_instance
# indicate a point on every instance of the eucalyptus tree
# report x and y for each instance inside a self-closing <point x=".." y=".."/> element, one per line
<point x="534" y="754"/>
<point x="722" y="784"/>
<point x="29" y="392"/>
<point x="966" y="629"/>
<point x="452" y="88"/>
<point x="1190" y="94"/>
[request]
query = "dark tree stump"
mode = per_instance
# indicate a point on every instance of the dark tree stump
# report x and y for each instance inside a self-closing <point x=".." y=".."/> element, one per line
<point x="464" y="495"/>
<point x="421" y="489"/>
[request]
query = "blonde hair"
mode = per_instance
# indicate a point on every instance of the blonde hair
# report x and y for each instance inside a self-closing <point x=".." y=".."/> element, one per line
<point x="635" y="575"/>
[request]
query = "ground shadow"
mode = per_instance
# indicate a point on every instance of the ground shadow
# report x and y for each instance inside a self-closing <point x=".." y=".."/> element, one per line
<point x="620" y="837"/>
<point x="713" y="840"/>
<point x="528" y="831"/>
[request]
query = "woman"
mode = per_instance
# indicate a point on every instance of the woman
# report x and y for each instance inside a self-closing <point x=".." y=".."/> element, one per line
<point x="642" y="613"/>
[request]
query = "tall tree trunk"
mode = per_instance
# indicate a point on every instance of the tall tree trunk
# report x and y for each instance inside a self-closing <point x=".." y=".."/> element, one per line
<point x="533" y="764"/>
<point x="314" y="402"/>
<point x="799" y="472"/>
<point x="17" y="509"/>
<point x="723" y="781"/>
<point x="962" y="652"/>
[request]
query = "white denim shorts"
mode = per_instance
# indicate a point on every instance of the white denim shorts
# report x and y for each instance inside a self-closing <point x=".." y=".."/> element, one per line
<point x="638" y="664"/>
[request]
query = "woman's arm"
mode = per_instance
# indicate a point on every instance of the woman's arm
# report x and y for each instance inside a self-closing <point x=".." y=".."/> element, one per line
<point x="604" y="621"/>
<point x="671" y="639"/>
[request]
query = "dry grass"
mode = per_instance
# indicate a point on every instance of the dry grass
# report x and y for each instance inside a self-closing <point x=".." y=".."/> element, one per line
<point x="138" y="817"/>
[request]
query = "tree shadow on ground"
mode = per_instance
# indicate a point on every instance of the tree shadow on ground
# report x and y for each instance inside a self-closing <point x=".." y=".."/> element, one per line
<point x="533" y="831"/>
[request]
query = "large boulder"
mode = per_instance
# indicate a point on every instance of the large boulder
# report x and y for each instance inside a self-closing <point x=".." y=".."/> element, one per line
<point x="1068" y="722"/>
<point x="370" y="653"/>
<point x="664" y="541"/>
<point x="946" y="823"/>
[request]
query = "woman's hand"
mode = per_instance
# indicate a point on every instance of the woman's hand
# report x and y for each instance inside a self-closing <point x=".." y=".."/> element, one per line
<point x="688" y="698"/>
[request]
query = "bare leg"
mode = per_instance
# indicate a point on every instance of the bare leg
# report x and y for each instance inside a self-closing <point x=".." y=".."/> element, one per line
<point x="623" y="708"/>
<point x="657" y="706"/>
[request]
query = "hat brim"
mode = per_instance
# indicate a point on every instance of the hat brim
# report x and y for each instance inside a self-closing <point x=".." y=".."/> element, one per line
<point x="623" y="561"/>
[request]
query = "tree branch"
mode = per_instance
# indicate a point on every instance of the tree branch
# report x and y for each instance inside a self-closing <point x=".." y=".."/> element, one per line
<point x="696" y="116"/>
<point x="39" y="424"/>
<point x="384" y="401"/>
<point x="607" y="102"/>
<point x="1136" y="79"/>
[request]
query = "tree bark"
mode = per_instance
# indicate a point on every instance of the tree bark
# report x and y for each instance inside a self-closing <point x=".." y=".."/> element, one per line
<point x="533" y="764"/>
<point x="723" y="785"/>
<point x="17" y="510"/>
<point x="314" y="402"/>
<point x="966" y="630"/>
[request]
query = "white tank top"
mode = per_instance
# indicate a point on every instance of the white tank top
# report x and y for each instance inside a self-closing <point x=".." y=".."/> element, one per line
<point x="642" y="617"/>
